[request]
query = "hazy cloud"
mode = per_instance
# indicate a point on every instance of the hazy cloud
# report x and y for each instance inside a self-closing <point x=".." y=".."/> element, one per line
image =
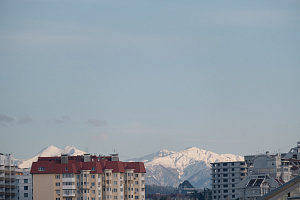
<point x="96" y="122"/>
<point x="5" y="118"/>
<point x="62" y="120"/>
<point x="102" y="137"/>
<point x="24" y="120"/>
<point x="138" y="128"/>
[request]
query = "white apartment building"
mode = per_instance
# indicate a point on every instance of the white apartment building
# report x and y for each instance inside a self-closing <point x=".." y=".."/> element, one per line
<point x="7" y="177"/>
<point x="225" y="179"/>
<point x="24" y="184"/>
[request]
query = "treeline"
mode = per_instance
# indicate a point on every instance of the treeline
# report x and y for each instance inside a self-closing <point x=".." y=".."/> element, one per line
<point x="154" y="189"/>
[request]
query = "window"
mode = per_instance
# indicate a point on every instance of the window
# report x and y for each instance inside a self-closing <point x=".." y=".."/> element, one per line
<point x="25" y="194"/>
<point x="115" y="190"/>
<point x="93" y="191"/>
<point x="136" y="197"/>
<point x="57" y="191"/>
<point x="136" y="175"/>
<point x="57" y="176"/>
<point x="136" y="189"/>
<point x="136" y="182"/>
<point x="25" y="187"/>
<point x="115" y="182"/>
<point x="66" y="168"/>
<point x="68" y="175"/>
<point x="93" y="176"/>
<point x="25" y="180"/>
<point x="93" y="183"/>
<point x="57" y="184"/>
<point x="115" y="197"/>
<point x="41" y="169"/>
<point x="57" y="198"/>
<point x="93" y="169"/>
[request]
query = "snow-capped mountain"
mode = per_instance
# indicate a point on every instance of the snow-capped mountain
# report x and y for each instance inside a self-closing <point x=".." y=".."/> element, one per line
<point x="49" y="151"/>
<point x="170" y="168"/>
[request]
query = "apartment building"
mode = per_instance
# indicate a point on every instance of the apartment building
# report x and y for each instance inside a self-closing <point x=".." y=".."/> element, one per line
<point x="225" y="179"/>
<point x="24" y="184"/>
<point x="7" y="177"/>
<point x="88" y="177"/>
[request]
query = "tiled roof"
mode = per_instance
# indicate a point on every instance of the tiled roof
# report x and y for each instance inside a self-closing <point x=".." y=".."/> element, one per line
<point x="53" y="165"/>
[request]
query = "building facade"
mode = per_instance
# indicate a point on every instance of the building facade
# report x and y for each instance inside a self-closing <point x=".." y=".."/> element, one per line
<point x="24" y="184"/>
<point x="88" y="178"/>
<point x="7" y="177"/>
<point x="225" y="179"/>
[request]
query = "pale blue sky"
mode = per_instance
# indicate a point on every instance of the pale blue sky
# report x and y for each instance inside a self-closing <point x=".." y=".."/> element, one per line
<point x="141" y="76"/>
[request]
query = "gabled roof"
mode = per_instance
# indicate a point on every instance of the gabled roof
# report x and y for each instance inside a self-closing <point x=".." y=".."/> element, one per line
<point x="186" y="184"/>
<point x="53" y="165"/>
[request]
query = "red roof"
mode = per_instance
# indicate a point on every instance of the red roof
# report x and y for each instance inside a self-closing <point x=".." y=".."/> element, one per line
<point x="53" y="165"/>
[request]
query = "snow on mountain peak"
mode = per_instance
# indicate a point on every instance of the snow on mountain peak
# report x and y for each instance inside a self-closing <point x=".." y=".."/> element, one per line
<point x="50" y="151"/>
<point x="170" y="167"/>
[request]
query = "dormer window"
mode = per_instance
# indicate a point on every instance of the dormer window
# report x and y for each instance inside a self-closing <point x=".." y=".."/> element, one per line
<point x="41" y="169"/>
<point x="66" y="168"/>
<point x="93" y="169"/>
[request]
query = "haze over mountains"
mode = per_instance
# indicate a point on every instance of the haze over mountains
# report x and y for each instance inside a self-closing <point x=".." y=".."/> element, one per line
<point x="166" y="168"/>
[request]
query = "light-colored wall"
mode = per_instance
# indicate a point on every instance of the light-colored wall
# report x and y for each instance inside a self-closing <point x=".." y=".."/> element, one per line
<point x="43" y="186"/>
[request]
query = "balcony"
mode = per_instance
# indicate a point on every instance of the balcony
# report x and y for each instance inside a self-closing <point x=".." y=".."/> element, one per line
<point x="68" y="187"/>
<point x="69" y="193"/>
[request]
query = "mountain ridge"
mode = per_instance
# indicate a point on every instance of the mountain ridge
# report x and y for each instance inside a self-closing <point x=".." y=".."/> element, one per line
<point x="170" y="168"/>
<point x="164" y="167"/>
<point x="49" y="151"/>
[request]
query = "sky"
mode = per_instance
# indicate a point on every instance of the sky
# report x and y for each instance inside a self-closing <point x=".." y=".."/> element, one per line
<point x="135" y="77"/>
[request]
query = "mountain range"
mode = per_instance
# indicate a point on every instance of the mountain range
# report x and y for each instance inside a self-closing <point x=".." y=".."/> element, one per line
<point x="50" y="151"/>
<point x="170" y="168"/>
<point x="165" y="168"/>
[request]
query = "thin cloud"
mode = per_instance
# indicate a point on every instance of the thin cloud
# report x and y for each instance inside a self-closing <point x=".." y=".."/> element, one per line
<point x="24" y="120"/>
<point x="138" y="128"/>
<point x="96" y="122"/>
<point x="102" y="137"/>
<point x="62" y="120"/>
<point x="6" y="119"/>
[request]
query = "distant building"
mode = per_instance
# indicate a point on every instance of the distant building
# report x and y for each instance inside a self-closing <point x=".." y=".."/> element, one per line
<point x="186" y="188"/>
<point x="263" y="174"/>
<point x="87" y="178"/>
<point x="225" y="179"/>
<point x="289" y="190"/>
<point x="24" y="184"/>
<point x="7" y="177"/>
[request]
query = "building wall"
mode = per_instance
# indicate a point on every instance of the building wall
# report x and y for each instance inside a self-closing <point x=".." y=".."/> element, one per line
<point x="24" y="184"/>
<point x="225" y="179"/>
<point x="43" y="186"/>
<point x="7" y="177"/>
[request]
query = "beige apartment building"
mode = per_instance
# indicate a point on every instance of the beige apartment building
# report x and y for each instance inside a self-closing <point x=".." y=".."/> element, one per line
<point x="87" y="177"/>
